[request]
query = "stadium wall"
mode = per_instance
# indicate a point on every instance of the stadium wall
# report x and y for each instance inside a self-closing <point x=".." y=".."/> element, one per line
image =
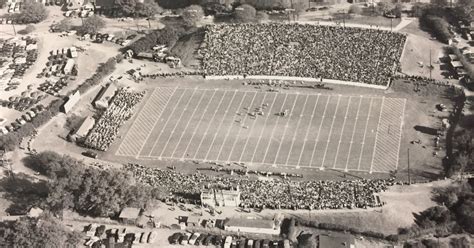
<point x="305" y="79"/>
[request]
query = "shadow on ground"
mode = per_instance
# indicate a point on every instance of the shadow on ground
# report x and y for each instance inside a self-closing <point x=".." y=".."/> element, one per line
<point x="23" y="191"/>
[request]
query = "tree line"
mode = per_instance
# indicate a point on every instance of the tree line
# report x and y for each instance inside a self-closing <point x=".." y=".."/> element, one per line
<point x="88" y="190"/>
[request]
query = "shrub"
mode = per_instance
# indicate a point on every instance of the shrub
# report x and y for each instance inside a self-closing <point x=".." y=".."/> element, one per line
<point x="28" y="29"/>
<point x="355" y="9"/>
<point x="438" y="26"/>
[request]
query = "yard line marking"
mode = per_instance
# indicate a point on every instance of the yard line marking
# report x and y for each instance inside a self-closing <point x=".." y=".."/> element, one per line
<point x="253" y="125"/>
<point x="209" y="124"/>
<point x="220" y="124"/>
<point x="187" y="124"/>
<point x="231" y="125"/>
<point x="402" y="117"/>
<point x="123" y="144"/>
<point x="342" y="131"/>
<point x="166" y="123"/>
<point x="377" y="134"/>
<point x="297" y="128"/>
<point x="199" y="123"/>
<point x="319" y="132"/>
<point x="285" y="129"/>
<point x="273" y="129"/>
<point x="330" y="131"/>
<point x="243" y="121"/>
<point x="365" y="133"/>
<point x="307" y="130"/>
<point x="177" y="122"/>
<point x="156" y="121"/>
<point x="353" y="133"/>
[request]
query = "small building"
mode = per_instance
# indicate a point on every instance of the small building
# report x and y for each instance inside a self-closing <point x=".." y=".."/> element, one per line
<point x="84" y="129"/>
<point x="453" y="57"/>
<point x="68" y="67"/>
<point x="220" y="197"/>
<point x="71" y="101"/>
<point x="129" y="215"/>
<point x="245" y="225"/>
<point x="145" y="55"/>
<point x="105" y="95"/>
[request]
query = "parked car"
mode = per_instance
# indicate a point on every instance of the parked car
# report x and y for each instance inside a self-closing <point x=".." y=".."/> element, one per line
<point x="174" y="239"/>
<point x="257" y="243"/>
<point x="90" y="154"/>
<point x="200" y="239"/>
<point x="218" y="240"/>
<point x="151" y="237"/>
<point x="266" y="243"/>
<point x="208" y="240"/>
<point x="193" y="238"/>
<point x="228" y="242"/>
<point x="185" y="238"/>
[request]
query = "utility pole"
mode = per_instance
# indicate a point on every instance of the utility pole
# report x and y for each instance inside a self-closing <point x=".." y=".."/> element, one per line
<point x="431" y="66"/>
<point x="408" y="156"/>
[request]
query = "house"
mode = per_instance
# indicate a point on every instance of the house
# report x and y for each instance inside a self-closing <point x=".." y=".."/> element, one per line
<point x="105" y="95"/>
<point x="247" y="225"/>
<point x="129" y="215"/>
<point x="84" y="129"/>
<point x="71" y="101"/>
<point x="220" y="197"/>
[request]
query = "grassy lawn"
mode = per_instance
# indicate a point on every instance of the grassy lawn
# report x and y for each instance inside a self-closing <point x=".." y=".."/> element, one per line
<point x="374" y="20"/>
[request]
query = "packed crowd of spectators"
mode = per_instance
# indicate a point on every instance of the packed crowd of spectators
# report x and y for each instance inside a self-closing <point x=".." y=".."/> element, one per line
<point x="285" y="194"/>
<point x="106" y="128"/>
<point x="330" y="52"/>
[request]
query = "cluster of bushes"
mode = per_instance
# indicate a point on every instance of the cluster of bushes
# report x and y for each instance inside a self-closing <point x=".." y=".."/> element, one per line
<point x="45" y="231"/>
<point x="439" y="228"/>
<point x="167" y="36"/>
<point x="103" y="70"/>
<point x="438" y="26"/>
<point x="85" y="189"/>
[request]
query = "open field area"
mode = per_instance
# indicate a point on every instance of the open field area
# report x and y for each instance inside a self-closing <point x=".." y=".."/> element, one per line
<point x="350" y="133"/>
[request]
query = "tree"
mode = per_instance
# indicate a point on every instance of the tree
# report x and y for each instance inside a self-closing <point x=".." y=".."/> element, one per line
<point x="8" y="142"/>
<point x="245" y="13"/>
<point x="384" y="7"/>
<point x="149" y="9"/>
<point x="32" y="12"/>
<point x="465" y="213"/>
<point x="92" y="24"/>
<point x="441" y="3"/>
<point x="192" y="15"/>
<point x="262" y="16"/>
<point x="128" y="7"/>
<point x="63" y="26"/>
<point x="46" y="231"/>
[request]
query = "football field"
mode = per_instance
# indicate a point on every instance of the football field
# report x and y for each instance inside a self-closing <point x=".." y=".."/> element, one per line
<point x="322" y="131"/>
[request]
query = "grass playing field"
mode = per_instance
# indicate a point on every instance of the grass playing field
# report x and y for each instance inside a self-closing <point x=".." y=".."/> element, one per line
<point x="323" y="131"/>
